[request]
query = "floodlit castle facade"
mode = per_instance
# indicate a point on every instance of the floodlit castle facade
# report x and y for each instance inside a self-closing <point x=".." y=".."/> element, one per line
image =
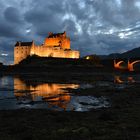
<point x="55" y="45"/>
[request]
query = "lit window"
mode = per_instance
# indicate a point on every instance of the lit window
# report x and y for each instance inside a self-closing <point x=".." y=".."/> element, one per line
<point x="87" y="57"/>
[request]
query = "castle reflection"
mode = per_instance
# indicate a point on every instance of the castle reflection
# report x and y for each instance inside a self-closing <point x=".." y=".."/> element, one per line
<point x="53" y="94"/>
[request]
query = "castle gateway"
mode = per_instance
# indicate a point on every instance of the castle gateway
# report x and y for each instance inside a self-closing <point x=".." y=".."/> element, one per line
<point x="55" y="45"/>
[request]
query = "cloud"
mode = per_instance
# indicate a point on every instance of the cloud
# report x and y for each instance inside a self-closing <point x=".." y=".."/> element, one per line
<point x="94" y="26"/>
<point x="12" y="15"/>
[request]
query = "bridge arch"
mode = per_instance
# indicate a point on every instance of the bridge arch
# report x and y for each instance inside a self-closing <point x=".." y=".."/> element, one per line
<point x="131" y="65"/>
<point x="117" y="64"/>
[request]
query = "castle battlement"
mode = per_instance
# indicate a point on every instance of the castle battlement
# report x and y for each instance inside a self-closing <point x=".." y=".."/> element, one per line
<point x="55" y="45"/>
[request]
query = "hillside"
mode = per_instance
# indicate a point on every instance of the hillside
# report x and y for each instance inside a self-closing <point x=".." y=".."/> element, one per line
<point x="134" y="53"/>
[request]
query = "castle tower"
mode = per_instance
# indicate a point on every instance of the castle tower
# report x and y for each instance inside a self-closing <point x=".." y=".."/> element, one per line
<point x="57" y="40"/>
<point x="21" y="51"/>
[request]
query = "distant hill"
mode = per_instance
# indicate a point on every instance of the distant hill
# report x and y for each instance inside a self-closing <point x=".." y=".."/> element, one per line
<point x="134" y="53"/>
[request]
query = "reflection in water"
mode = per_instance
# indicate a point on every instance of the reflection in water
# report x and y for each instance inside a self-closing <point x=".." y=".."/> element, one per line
<point x="131" y="79"/>
<point x="16" y="93"/>
<point x="117" y="79"/>
<point x="54" y="94"/>
<point x="120" y="80"/>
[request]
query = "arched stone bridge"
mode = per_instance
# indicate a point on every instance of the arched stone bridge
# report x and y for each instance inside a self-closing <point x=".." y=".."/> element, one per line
<point x="130" y="65"/>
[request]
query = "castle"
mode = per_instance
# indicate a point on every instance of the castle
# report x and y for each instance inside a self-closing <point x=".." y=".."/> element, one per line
<point x="55" y="45"/>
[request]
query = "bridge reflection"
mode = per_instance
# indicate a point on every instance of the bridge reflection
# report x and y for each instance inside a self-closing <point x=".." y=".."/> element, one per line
<point x="53" y="94"/>
<point x="120" y="80"/>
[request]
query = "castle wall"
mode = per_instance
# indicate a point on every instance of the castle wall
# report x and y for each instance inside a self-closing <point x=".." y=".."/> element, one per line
<point x="71" y="54"/>
<point x="44" y="51"/>
<point x="58" y="41"/>
<point x="65" y="43"/>
<point x="52" y="42"/>
<point x="20" y="53"/>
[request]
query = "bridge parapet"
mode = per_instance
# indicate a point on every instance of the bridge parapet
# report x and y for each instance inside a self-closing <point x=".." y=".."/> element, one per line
<point x="130" y="64"/>
<point x="117" y="64"/>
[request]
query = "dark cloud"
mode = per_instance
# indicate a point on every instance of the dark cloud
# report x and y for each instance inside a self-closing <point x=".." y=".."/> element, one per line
<point x="94" y="26"/>
<point x="7" y="30"/>
<point x="45" y="18"/>
<point x="12" y="15"/>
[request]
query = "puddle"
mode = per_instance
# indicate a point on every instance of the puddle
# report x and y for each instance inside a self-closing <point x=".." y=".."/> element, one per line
<point x="85" y="103"/>
<point x="85" y="86"/>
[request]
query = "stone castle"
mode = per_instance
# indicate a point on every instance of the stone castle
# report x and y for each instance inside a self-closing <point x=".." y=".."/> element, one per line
<point x="55" y="45"/>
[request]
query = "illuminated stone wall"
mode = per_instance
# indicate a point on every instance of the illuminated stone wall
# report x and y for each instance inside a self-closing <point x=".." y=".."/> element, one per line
<point x="20" y="53"/>
<point x="58" y="41"/>
<point x="55" y="45"/>
<point x="66" y="43"/>
<point x="44" y="51"/>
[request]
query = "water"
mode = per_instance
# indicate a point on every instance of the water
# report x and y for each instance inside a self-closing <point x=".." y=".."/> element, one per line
<point x="16" y="93"/>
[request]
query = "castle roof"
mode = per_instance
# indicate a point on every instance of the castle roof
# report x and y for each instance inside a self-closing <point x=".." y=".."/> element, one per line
<point x="23" y="43"/>
<point x="55" y="34"/>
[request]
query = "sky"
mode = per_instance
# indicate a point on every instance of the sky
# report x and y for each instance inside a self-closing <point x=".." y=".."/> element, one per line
<point x="94" y="26"/>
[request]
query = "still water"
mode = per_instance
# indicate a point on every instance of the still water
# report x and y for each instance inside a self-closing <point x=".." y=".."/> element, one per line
<point x="16" y="93"/>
